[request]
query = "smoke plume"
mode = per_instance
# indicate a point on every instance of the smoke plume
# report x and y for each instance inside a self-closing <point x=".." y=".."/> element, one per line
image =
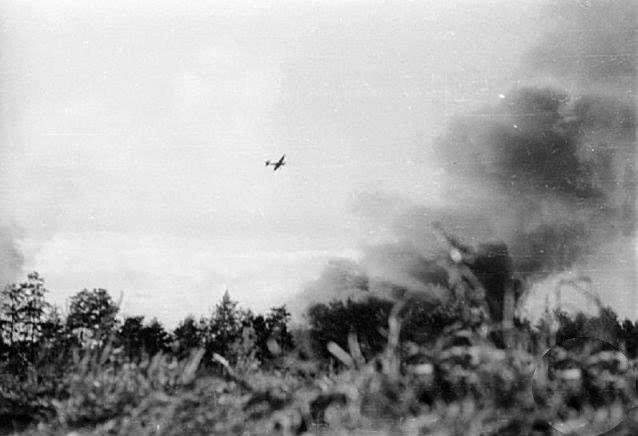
<point x="548" y="167"/>
<point x="558" y="160"/>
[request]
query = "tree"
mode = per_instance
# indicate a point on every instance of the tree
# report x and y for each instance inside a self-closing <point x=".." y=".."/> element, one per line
<point x="92" y="315"/>
<point x="129" y="336"/>
<point x="605" y="326"/>
<point x="277" y="329"/>
<point x="187" y="336"/>
<point x="13" y="300"/>
<point x="35" y="307"/>
<point x="53" y="332"/>
<point x="155" y="339"/>
<point x="570" y="326"/>
<point x="225" y="326"/>
<point x="630" y="338"/>
<point x="139" y="339"/>
<point x="262" y="334"/>
<point x="271" y="335"/>
<point x="333" y="322"/>
<point x="22" y="311"/>
<point x="224" y="329"/>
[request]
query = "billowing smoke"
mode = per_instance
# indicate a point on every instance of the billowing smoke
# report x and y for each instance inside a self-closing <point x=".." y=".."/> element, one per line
<point x="547" y="169"/>
<point x="388" y="271"/>
<point x="557" y="191"/>
<point x="341" y="277"/>
<point x="557" y="161"/>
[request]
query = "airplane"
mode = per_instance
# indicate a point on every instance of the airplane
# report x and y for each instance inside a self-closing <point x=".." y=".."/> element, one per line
<point x="276" y="165"/>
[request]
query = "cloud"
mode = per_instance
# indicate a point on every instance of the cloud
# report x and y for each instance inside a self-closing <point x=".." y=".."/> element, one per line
<point x="176" y="275"/>
<point x="11" y="256"/>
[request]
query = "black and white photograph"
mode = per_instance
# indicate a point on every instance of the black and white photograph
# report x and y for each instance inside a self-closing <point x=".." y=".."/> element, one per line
<point x="318" y="218"/>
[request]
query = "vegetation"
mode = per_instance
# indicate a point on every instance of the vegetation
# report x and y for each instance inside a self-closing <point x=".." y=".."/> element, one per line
<point x="370" y="366"/>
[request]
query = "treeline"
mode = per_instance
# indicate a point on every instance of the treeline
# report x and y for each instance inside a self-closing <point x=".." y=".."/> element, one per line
<point x="32" y="329"/>
<point x="91" y="366"/>
<point x="425" y="323"/>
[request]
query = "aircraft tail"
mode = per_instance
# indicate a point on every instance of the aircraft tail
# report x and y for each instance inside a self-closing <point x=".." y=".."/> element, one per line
<point x="267" y="162"/>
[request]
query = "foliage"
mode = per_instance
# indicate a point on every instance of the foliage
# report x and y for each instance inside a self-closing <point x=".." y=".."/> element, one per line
<point x="333" y="322"/>
<point x="23" y="309"/>
<point x="129" y="336"/>
<point x="398" y="368"/>
<point x="187" y="336"/>
<point x="271" y="333"/>
<point x="102" y="386"/>
<point x="92" y="315"/>
<point x="155" y="339"/>
<point x="139" y="340"/>
<point x="448" y="387"/>
<point x="223" y="328"/>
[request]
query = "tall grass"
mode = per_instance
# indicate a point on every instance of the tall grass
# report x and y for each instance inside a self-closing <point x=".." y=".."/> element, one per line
<point x="459" y="385"/>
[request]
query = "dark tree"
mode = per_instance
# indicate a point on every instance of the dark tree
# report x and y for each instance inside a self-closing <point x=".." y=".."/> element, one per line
<point x="630" y="338"/>
<point x="224" y="328"/>
<point x="423" y="321"/>
<point x="155" y="339"/>
<point x="187" y="336"/>
<point x="13" y="300"/>
<point x="35" y="308"/>
<point x="129" y="336"/>
<point x="141" y="340"/>
<point x="53" y="332"/>
<point x="23" y="311"/>
<point x="92" y="315"/>
<point x="336" y="320"/>
<point x="277" y="324"/>
<point x="260" y="329"/>
<point x="271" y="332"/>
<point x="570" y="327"/>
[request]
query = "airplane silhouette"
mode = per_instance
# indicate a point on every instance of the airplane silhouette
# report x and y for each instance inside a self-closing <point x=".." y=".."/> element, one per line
<point x="276" y="165"/>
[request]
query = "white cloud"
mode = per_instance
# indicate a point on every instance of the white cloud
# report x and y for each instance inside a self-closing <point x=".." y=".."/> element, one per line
<point x="170" y="277"/>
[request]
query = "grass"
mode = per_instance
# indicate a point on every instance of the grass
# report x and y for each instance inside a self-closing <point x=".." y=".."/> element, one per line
<point x="460" y="385"/>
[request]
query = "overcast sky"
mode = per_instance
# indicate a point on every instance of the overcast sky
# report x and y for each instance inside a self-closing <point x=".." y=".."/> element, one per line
<point x="134" y="134"/>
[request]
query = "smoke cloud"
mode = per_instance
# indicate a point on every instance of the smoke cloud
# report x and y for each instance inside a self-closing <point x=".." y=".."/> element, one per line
<point x="548" y="167"/>
<point x="562" y="160"/>
<point x="539" y="159"/>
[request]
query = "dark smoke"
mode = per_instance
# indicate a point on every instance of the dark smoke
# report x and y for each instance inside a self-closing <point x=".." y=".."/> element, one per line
<point x="546" y="173"/>
<point x="561" y="161"/>
<point x="537" y="142"/>
<point x="536" y="162"/>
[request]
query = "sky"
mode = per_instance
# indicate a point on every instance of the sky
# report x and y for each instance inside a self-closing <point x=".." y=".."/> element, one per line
<point x="134" y="136"/>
